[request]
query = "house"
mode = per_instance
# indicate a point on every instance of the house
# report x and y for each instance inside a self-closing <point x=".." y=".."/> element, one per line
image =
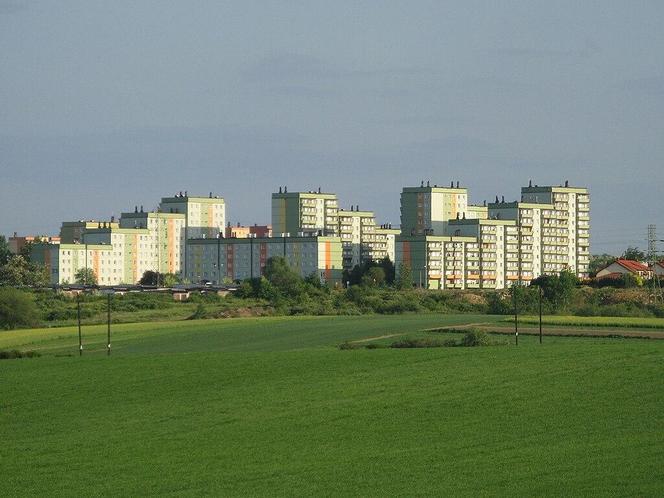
<point x="622" y="267"/>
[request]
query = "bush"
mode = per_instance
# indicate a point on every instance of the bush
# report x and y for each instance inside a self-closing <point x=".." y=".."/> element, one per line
<point x="475" y="338"/>
<point x="199" y="314"/>
<point x="425" y="342"/>
<point x="17" y="309"/>
<point x="15" y="353"/>
<point x="348" y="345"/>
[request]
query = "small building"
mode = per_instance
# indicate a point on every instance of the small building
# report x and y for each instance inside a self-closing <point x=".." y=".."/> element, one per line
<point x="17" y="243"/>
<point x="622" y="267"/>
<point x="242" y="232"/>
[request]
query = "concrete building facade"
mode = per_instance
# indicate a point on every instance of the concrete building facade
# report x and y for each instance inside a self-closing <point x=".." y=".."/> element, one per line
<point x="236" y="259"/>
<point x="298" y="213"/>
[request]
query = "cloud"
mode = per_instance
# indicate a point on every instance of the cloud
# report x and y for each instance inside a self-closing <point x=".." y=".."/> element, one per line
<point x="588" y="49"/>
<point x="11" y="7"/>
<point x="651" y="85"/>
<point x="303" y="67"/>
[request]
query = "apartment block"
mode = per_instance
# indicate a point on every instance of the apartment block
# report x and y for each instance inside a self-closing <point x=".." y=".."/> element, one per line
<point x="164" y="245"/>
<point x="17" y="242"/>
<point x="298" y="213"/>
<point x="205" y="216"/>
<point x="71" y="232"/>
<point x="507" y="242"/>
<point x="236" y="259"/>
<point x="565" y="227"/>
<point x="436" y="261"/>
<point x="496" y="249"/>
<point x="425" y="210"/>
<point x="62" y="261"/>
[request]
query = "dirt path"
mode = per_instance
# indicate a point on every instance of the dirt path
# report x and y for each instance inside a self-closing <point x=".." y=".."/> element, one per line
<point x="462" y="326"/>
<point x="577" y="331"/>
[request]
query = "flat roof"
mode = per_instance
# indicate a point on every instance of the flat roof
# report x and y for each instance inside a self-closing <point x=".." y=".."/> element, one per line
<point x="262" y="240"/>
<point x="435" y="189"/>
<point x="307" y="195"/>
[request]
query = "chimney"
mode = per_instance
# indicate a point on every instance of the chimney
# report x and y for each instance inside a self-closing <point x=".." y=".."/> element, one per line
<point x="319" y="190"/>
<point x="502" y="200"/>
<point x="428" y="183"/>
<point x="457" y="183"/>
<point x="141" y="209"/>
<point x="186" y="194"/>
<point x="286" y="189"/>
<point x="210" y="195"/>
<point x="280" y="190"/>
<point x="566" y="183"/>
<point x="484" y="203"/>
<point x="496" y="199"/>
<point x="422" y="184"/>
<point x="530" y="183"/>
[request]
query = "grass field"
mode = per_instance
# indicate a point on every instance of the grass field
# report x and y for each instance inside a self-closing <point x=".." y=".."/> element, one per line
<point x="271" y="407"/>
<point x="594" y="321"/>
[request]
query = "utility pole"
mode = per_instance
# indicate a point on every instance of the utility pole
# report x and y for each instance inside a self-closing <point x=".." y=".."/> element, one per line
<point x="78" y="313"/>
<point x="108" y="309"/>
<point x="540" y="313"/>
<point x="516" y="317"/>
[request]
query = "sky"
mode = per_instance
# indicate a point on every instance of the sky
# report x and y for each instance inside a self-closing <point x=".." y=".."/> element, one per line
<point x="107" y="105"/>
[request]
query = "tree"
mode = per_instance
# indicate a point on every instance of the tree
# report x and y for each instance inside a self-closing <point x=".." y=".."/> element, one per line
<point x="156" y="278"/>
<point x="85" y="276"/>
<point x="18" y="272"/>
<point x="5" y="253"/>
<point x="405" y="278"/>
<point x="557" y="289"/>
<point x="634" y="253"/>
<point x="282" y="277"/>
<point x="375" y="276"/>
<point x="17" y="309"/>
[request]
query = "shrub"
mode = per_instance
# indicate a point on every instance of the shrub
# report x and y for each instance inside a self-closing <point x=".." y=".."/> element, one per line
<point x="15" y="353"/>
<point x="17" y="309"/>
<point x="348" y="345"/>
<point x="199" y="314"/>
<point x="425" y="342"/>
<point x="475" y="338"/>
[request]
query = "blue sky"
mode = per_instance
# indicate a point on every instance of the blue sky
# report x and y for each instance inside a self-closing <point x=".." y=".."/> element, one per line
<point x="105" y="105"/>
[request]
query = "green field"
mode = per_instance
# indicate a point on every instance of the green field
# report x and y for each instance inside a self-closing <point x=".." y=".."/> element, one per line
<point x="594" y="321"/>
<point x="270" y="407"/>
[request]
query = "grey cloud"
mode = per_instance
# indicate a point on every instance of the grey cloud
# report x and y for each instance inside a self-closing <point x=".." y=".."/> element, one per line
<point x="652" y="85"/>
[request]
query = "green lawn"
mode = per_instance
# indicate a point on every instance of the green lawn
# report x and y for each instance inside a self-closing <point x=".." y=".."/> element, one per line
<point x="230" y="334"/>
<point x="270" y="407"/>
<point x="594" y="321"/>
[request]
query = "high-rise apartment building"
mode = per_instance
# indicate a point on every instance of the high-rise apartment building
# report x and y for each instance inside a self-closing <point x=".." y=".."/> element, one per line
<point x="425" y="210"/>
<point x="234" y="259"/>
<point x="304" y="213"/>
<point x="508" y="242"/>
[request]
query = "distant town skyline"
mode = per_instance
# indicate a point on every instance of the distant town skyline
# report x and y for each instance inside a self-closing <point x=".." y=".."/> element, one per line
<point x="106" y="106"/>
